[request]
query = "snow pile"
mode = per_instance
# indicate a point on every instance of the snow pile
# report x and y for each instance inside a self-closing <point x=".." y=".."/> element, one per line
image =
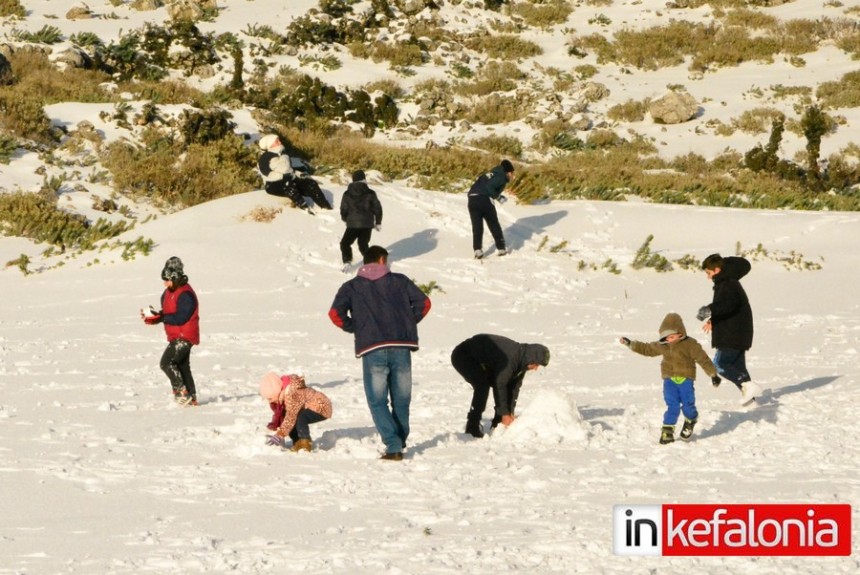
<point x="549" y="418"/>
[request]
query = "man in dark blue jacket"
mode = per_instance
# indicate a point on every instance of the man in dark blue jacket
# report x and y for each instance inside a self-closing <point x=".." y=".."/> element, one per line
<point x="495" y="362"/>
<point x="382" y="309"/>
<point x="489" y="186"/>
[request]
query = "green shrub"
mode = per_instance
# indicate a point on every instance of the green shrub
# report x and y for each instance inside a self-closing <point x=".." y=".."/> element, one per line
<point x="645" y="258"/>
<point x="37" y="216"/>
<point x="44" y="35"/>
<point x="504" y="46"/>
<point x="8" y="146"/>
<point x="844" y="93"/>
<point x="493" y="77"/>
<point x="11" y="8"/>
<point x="172" y="173"/>
<point x="204" y="126"/>
<point x="500" y="145"/>
<point x="629" y="111"/>
<point x="757" y="120"/>
<point x="543" y="15"/>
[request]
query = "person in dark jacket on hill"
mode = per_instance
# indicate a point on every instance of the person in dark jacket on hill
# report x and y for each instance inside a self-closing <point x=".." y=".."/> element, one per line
<point x="487" y="187"/>
<point x="362" y="212"/>
<point x="382" y="309"/>
<point x="495" y="362"/>
<point x="180" y="315"/>
<point x="729" y="320"/>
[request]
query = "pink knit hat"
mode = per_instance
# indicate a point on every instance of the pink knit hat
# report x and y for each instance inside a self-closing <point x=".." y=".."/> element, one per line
<point x="270" y="386"/>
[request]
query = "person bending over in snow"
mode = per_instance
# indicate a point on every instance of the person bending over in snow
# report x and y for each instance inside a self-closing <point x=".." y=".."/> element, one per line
<point x="180" y="315"/>
<point x="678" y="370"/>
<point x="280" y="178"/>
<point x="494" y="362"/>
<point x="728" y="318"/>
<point x="294" y="408"/>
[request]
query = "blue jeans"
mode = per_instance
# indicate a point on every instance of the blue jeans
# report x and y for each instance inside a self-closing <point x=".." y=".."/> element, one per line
<point x="679" y="397"/>
<point x="388" y="373"/>
<point x="732" y="364"/>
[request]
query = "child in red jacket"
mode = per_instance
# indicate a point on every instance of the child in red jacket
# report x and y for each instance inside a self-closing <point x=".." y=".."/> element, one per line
<point x="294" y="407"/>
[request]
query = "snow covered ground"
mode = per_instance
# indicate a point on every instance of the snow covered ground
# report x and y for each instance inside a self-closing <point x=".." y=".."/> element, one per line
<point x="101" y="473"/>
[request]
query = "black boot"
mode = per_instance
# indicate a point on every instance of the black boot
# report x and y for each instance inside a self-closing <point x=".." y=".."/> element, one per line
<point x="474" y="428"/>
<point x="687" y="430"/>
<point x="667" y="434"/>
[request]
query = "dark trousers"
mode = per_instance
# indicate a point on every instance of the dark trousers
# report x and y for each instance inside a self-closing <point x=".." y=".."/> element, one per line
<point x="481" y="209"/>
<point x="301" y="430"/>
<point x="285" y="189"/>
<point x="349" y="236"/>
<point x="481" y="380"/>
<point x="310" y="188"/>
<point x="176" y="364"/>
<point x="732" y="364"/>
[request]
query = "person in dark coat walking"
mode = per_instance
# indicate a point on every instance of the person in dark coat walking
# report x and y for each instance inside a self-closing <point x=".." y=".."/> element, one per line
<point x="495" y="362"/>
<point x="362" y="212"/>
<point x="489" y="186"/>
<point x="382" y="309"/>
<point x="729" y="320"/>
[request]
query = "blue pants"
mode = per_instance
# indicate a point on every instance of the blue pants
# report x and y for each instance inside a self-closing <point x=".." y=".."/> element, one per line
<point x="388" y="374"/>
<point x="732" y="364"/>
<point x="679" y="397"/>
<point x="301" y="430"/>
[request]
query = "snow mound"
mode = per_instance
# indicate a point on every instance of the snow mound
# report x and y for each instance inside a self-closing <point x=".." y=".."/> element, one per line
<point x="551" y="418"/>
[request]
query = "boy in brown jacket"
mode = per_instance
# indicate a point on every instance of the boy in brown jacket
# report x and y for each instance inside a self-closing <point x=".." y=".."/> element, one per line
<point x="678" y="370"/>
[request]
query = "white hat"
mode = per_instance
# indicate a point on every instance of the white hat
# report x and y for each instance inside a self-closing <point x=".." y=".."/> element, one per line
<point x="269" y="141"/>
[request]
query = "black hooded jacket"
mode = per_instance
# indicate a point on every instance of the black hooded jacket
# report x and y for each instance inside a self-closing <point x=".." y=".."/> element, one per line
<point x="359" y="207"/>
<point x="731" y="314"/>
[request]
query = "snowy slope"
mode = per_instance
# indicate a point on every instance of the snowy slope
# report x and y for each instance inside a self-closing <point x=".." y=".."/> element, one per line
<point x="109" y="476"/>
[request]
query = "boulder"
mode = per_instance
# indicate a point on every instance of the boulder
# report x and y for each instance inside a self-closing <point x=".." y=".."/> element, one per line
<point x="673" y="108"/>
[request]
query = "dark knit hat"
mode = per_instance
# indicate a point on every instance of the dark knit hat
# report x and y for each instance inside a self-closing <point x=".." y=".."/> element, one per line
<point x="173" y="270"/>
<point x="358" y="176"/>
<point x="507" y="166"/>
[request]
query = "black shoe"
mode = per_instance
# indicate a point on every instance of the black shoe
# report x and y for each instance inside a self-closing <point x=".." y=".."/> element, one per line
<point x="687" y="430"/>
<point x="397" y="456"/>
<point x="475" y="429"/>
<point x="667" y="434"/>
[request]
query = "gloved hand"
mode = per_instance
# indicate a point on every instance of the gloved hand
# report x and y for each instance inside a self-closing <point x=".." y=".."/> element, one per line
<point x="704" y="313"/>
<point x="153" y="319"/>
<point x="716" y="380"/>
<point x="501" y="199"/>
<point x="625" y="341"/>
<point x="275" y="440"/>
<point x="378" y="227"/>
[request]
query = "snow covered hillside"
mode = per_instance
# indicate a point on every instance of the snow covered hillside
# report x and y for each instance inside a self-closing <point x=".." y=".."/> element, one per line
<point x="101" y="473"/>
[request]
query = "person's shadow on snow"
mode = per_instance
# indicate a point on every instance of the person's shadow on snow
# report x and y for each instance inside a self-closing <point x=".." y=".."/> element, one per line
<point x="766" y="411"/>
<point x="330" y="438"/>
<point x="524" y="229"/>
<point x="418" y="244"/>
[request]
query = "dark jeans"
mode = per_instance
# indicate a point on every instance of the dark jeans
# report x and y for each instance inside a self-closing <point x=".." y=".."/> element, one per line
<point x="301" y="430"/>
<point x="482" y="381"/>
<point x="176" y="364"/>
<point x="310" y="188"/>
<point x="732" y="364"/>
<point x="349" y="236"/>
<point x="481" y="209"/>
<point x="285" y="189"/>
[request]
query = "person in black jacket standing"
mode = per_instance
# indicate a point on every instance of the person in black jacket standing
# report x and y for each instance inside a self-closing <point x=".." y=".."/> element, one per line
<point x="494" y="362"/>
<point x="489" y="186"/>
<point x="729" y="320"/>
<point x="362" y="212"/>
